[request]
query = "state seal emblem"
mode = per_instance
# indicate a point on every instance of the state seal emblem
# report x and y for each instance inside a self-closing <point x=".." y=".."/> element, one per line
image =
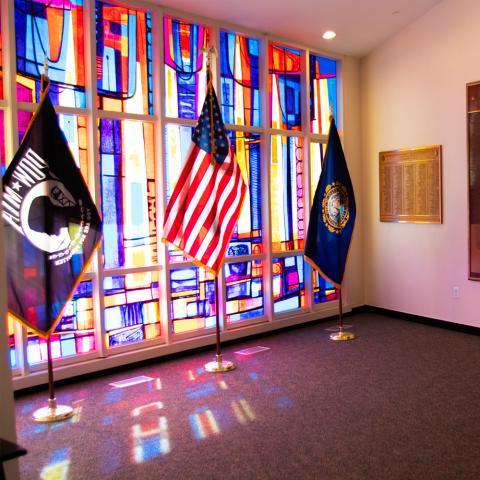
<point x="335" y="207"/>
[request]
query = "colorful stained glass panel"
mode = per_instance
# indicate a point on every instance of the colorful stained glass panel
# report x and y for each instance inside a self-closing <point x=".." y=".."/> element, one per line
<point x="317" y="151"/>
<point x="74" y="127"/>
<point x="239" y="79"/>
<point x="185" y="67"/>
<point x="244" y="290"/>
<point x="323" y="291"/>
<point x="74" y="334"/>
<point x="51" y="30"/>
<point x="193" y="302"/>
<point x="12" y="351"/>
<point x="124" y="59"/>
<point x="288" y="283"/>
<point x="287" y="195"/>
<point x="247" y="236"/>
<point x="178" y="139"/>
<point x="284" y="84"/>
<point x="128" y="193"/>
<point x="323" y="93"/>
<point x="131" y="308"/>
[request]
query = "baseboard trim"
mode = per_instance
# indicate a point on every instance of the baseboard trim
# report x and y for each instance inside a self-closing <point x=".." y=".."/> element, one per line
<point x="433" y="322"/>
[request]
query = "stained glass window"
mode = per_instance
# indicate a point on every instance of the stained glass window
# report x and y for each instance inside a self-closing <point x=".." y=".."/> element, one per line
<point x="178" y="139"/>
<point x="284" y="84"/>
<point x="12" y="351"/>
<point x="74" y="334"/>
<point x="52" y="30"/>
<point x="247" y="236"/>
<point x="74" y="127"/>
<point x="239" y="79"/>
<point x="244" y="290"/>
<point x="131" y="308"/>
<point x="323" y="291"/>
<point x="192" y="303"/>
<point x="288" y="284"/>
<point x="287" y="198"/>
<point x="323" y="92"/>
<point x="124" y="59"/>
<point x="317" y="151"/>
<point x="128" y="193"/>
<point x="185" y="67"/>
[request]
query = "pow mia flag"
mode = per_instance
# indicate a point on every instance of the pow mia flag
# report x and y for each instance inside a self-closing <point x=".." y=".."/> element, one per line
<point x="51" y="225"/>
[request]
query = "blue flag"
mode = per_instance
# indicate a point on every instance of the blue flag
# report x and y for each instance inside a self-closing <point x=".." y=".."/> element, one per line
<point x="332" y="216"/>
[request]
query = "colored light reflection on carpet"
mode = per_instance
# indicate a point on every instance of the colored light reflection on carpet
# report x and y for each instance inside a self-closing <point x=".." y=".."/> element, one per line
<point x="130" y="382"/>
<point x="113" y="396"/>
<point x="136" y="412"/>
<point x="203" y="424"/>
<point x="243" y="411"/>
<point x="201" y="390"/>
<point x="58" y="467"/>
<point x="251" y="350"/>
<point x="77" y="414"/>
<point x="150" y="440"/>
<point x="149" y="436"/>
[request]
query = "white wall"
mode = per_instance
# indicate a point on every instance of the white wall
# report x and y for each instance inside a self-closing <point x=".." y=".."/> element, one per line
<point x="414" y="94"/>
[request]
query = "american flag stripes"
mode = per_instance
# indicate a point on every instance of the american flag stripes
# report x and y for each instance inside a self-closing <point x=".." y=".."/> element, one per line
<point x="207" y="199"/>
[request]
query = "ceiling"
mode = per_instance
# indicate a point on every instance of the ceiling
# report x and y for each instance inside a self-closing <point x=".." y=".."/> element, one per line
<point x="361" y="25"/>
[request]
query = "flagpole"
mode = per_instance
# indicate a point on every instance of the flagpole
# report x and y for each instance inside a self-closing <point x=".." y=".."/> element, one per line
<point x="341" y="335"/>
<point x="217" y="365"/>
<point x="51" y="389"/>
<point x="53" y="412"/>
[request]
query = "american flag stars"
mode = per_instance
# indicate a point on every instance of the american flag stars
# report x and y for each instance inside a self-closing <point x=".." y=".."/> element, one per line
<point x="202" y="133"/>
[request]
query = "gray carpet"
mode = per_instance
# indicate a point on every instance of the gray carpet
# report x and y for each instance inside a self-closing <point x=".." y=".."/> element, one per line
<point x="400" y="402"/>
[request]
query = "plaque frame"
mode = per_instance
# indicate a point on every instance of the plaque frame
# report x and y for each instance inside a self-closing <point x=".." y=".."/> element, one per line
<point x="473" y="158"/>
<point x="414" y="205"/>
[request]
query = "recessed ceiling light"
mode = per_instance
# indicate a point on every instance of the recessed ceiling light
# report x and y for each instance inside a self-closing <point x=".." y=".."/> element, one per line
<point x="329" y="34"/>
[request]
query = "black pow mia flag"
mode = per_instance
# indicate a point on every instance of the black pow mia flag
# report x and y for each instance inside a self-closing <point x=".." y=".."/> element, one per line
<point x="51" y="225"/>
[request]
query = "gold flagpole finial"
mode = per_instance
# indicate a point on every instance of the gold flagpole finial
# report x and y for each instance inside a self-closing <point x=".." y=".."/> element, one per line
<point x="44" y="77"/>
<point x="209" y="52"/>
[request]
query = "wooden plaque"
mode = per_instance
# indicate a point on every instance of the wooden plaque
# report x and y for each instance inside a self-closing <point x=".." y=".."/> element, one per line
<point x="411" y="185"/>
<point x="473" y="129"/>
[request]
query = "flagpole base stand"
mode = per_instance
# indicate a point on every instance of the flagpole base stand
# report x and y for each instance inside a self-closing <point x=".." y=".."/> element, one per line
<point x="219" y="365"/>
<point x="52" y="413"/>
<point x="342" y="336"/>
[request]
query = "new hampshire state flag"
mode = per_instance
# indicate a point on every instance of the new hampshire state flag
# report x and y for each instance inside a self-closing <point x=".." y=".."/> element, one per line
<point x="332" y="216"/>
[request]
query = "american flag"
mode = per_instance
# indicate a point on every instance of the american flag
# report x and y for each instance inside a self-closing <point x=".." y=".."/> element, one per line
<point x="207" y="199"/>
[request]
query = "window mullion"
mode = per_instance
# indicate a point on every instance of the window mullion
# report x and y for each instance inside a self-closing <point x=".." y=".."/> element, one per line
<point x="94" y="167"/>
<point x="307" y="270"/>
<point x="158" y="89"/>
<point x="265" y="155"/>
